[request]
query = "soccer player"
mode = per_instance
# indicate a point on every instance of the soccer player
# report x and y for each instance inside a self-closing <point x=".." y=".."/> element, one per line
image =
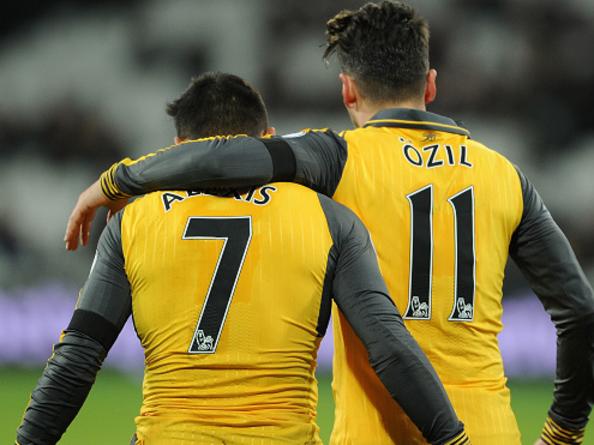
<point x="444" y="211"/>
<point x="230" y="297"/>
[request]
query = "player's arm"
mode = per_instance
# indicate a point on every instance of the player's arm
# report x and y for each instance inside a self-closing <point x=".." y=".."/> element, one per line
<point x="312" y="158"/>
<point x="102" y="308"/>
<point x="546" y="258"/>
<point x="361" y="295"/>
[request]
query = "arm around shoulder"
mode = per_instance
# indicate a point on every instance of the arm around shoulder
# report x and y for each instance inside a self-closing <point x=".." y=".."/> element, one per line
<point x="362" y="296"/>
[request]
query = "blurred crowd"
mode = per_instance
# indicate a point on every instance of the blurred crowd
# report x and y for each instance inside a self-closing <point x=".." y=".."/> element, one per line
<point x="86" y="84"/>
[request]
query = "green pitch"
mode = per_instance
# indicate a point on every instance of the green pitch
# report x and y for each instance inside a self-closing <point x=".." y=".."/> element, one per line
<point x="108" y="415"/>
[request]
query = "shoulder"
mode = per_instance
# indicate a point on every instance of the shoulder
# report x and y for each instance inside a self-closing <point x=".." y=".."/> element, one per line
<point x="110" y="240"/>
<point x="324" y="136"/>
<point x="147" y="208"/>
<point x="342" y="221"/>
<point x="495" y="161"/>
<point x="298" y="195"/>
<point x="151" y="201"/>
<point x="309" y="132"/>
<point x="490" y="153"/>
<point x="360" y="132"/>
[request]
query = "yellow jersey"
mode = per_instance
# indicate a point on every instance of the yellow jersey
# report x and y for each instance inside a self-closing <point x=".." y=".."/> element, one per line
<point x="226" y="299"/>
<point x="441" y="223"/>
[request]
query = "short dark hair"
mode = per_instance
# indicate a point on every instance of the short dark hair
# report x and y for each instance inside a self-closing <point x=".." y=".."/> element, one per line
<point x="218" y="104"/>
<point x="385" y="47"/>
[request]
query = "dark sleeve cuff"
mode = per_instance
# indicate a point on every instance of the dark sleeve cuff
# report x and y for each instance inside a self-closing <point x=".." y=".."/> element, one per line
<point x="109" y="186"/>
<point x="459" y="439"/>
<point x="555" y="434"/>
<point x="95" y="326"/>
<point x="283" y="159"/>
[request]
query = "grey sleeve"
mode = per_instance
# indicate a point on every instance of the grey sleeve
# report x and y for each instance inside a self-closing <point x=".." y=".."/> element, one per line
<point x="546" y="259"/>
<point x="62" y="389"/>
<point x="320" y="159"/>
<point x="361" y="295"/>
<point x="314" y="159"/>
<point x="107" y="291"/>
<point x="102" y="309"/>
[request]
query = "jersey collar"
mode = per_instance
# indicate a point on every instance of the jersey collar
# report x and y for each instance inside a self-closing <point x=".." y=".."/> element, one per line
<point x="417" y="119"/>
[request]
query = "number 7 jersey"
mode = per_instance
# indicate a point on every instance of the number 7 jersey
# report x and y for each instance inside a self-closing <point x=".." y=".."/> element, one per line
<point x="227" y="303"/>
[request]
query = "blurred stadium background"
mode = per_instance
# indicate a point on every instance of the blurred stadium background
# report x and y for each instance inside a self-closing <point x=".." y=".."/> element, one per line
<point x="82" y="86"/>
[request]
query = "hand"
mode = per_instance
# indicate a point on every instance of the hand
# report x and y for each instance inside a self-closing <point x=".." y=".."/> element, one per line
<point x="115" y="206"/>
<point x="539" y="442"/>
<point x="79" y="223"/>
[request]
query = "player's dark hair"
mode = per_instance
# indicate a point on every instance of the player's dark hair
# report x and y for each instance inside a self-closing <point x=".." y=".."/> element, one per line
<point x="384" y="47"/>
<point x="218" y="104"/>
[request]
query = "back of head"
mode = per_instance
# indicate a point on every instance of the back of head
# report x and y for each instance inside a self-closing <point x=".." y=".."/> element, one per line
<point x="218" y="104"/>
<point x="384" y="47"/>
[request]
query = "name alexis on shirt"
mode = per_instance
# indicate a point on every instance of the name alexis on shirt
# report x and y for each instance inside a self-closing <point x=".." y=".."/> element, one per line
<point x="259" y="196"/>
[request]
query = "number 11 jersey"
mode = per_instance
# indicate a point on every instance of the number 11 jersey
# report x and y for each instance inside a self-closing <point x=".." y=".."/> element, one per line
<point x="441" y="210"/>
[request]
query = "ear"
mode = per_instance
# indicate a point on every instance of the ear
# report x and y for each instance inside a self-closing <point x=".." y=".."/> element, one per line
<point x="431" y="86"/>
<point x="177" y="140"/>
<point x="270" y="131"/>
<point x="350" y="94"/>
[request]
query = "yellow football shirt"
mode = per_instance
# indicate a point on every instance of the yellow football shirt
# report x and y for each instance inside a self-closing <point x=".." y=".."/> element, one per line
<point x="227" y="341"/>
<point x="441" y="209"/>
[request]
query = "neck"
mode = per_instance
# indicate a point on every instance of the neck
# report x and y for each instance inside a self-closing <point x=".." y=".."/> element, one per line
<point x="367" y="110"/>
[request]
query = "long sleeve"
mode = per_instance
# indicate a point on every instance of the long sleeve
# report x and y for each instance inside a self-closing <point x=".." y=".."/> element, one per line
<point x="544" y="255"/>
<point x="361" y="295"/>
<point x="103" y="306"/>
<point x="311" y="158"/>
<point x="62" y="389"/>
